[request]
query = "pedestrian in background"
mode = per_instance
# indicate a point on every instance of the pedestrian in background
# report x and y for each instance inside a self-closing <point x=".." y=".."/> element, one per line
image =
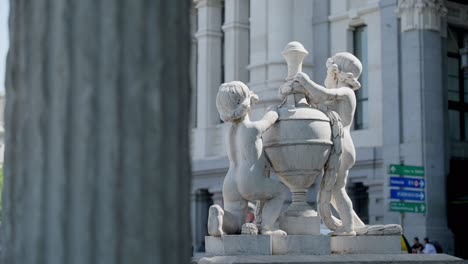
<point x="416" y="247"/>
<point x="428" y="247"/>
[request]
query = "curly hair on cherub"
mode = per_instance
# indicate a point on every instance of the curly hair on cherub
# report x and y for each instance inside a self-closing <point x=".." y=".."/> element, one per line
<point x="234" y="100"/>
<point x="346" y="67"/>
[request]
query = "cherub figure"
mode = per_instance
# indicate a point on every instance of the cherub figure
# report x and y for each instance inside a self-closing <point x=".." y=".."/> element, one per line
<point x="343" y="71"/>
<point x="247" y="177"/>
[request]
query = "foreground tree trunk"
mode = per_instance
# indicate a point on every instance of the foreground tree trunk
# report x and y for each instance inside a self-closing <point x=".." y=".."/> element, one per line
<point x="97" y="152"/>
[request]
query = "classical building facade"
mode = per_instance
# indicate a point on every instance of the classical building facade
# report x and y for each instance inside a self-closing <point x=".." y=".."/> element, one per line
<point x="412" y="108"/>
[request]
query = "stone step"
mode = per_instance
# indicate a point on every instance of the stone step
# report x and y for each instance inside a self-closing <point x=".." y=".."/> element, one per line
<point x="333" y="259"/>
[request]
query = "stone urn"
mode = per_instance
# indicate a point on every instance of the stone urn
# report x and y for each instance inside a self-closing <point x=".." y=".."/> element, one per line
<point x="298" y="146"/>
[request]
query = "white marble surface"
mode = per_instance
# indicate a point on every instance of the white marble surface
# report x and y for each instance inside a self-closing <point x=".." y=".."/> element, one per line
<point x="238" y="245"/>
<point x="301" y="245"/>
<point x="365" y="244"/>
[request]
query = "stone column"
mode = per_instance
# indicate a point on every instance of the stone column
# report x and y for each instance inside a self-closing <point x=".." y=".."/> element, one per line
<point x="391" y="103"/>
<point x="209" y="71"/>
<point x="423" y="109"/>
<point x="236" y="40"/>
<point x="275" y="24"/>
<point x="321" y="32"/>
<point x="97" y="161"/>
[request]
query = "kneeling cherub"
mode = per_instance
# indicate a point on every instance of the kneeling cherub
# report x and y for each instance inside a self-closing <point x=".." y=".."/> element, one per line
<point x="247" y="177"/>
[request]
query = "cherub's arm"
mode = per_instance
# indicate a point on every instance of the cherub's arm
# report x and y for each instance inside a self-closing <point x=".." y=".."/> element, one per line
<point x="317" y="93"/>
<point x="267" y="121"/>
<point x="231" y="147"/>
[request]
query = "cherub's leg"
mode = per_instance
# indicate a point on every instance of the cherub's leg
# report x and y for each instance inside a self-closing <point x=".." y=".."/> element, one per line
<point x="272" y="208"/>
<point x="228" y="221"/>
<point x="234" y="216"/>
<point x="343" y="205"/>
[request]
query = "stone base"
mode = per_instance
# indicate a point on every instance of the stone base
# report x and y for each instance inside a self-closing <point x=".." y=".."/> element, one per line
<point x="230" y="245"/>
<point x="238" y="245"/>
<point x="301" y="244"/>
<point x="365" y="244"/>
<point x="294" y="225"/>
<point x="335" y="259"/>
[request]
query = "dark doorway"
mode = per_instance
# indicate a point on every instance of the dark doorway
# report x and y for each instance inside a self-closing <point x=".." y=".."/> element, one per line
<point x="203" y="202"/>
<point x="457" y="199"/>
<point x="360" y="198"/>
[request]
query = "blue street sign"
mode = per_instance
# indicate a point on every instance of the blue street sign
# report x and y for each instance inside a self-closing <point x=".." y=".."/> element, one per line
<point x="407" y="195"/>
<point x="407" y="182"/>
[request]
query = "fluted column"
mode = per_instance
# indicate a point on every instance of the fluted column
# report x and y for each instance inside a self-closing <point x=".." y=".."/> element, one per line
<point x="423" y="110"/>
<point x="236" y="40"/>
<point x="209" y="61"/>
<point x="274" y="24"/>
<point x="97" y="161"/>
<point x="209" y="72"/>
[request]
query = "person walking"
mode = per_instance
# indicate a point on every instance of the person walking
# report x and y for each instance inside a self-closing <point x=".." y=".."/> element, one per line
<point x="428" y="247"/>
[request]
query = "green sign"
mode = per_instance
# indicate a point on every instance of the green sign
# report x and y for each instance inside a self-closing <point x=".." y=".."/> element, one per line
<point x="408" y="207"/>
<point x="397" y="169"/>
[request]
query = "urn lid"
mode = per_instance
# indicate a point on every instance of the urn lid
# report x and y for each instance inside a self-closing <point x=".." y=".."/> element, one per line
<point x="294" y="46"/>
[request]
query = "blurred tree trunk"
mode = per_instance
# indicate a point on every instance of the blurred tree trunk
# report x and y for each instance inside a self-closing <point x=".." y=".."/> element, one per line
<point x="97" y="120"/>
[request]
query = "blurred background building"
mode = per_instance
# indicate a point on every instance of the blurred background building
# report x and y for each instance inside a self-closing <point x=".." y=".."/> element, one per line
<point x="412" y="108"/>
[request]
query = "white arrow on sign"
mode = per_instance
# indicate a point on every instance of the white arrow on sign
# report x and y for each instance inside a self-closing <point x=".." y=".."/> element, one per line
<point x="422" y="207"/>
<point x="421" y="196"/>
<point x="422" y="183"/>
<point x="392" y="169"/>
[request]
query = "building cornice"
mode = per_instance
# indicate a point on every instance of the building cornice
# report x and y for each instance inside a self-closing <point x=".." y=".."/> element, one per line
<point x="205" y="33"/>
<point x="354" y="13"/>
<point x="208" y="3"/>
<point x="457" y="14"/>
<point x="421" y="14"/>
<point x="235" y="25"/>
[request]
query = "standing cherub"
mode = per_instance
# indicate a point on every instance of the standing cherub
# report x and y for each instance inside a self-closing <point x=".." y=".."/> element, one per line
<point x="247" y="177"/>
<point x="343" y="71"/>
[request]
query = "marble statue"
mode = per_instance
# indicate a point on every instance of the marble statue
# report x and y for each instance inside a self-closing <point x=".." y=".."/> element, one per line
<point x="247" y="177"/>
<point x="308" y="135"/>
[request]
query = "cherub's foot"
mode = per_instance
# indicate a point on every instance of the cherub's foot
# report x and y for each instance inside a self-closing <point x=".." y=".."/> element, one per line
<point x="379" y="230"/>
<point x="215" y="220"/>
<point x="393" y="229"/>
<point x="273" y="232"/>
<point x="343" y="232"/>
<point x="370" y="230"/>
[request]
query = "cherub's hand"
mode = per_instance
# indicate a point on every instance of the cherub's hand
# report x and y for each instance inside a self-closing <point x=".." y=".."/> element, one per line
<point x="286" y="89"/>
<point x="298" y="88"/>
<point x="302" y="78"/>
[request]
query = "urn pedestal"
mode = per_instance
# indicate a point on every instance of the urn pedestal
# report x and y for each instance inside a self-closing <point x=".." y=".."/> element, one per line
<point x="298" y="146"/>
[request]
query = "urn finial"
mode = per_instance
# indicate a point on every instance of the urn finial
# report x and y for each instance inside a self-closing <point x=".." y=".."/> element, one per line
<point x="294" y="54"/>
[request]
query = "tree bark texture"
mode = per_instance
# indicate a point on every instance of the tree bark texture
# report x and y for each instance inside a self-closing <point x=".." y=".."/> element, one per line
<point x="97" y="119"/>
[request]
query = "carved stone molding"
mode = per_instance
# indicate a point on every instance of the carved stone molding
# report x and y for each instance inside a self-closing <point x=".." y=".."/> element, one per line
<point x="208" y="3"/>
<point x="457" y="14"/>
<point x="421" y="14"/>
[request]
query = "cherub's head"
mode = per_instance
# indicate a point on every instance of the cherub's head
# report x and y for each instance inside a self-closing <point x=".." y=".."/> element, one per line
<point x="344" y="67"/>
<point x="234" y="100"/>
